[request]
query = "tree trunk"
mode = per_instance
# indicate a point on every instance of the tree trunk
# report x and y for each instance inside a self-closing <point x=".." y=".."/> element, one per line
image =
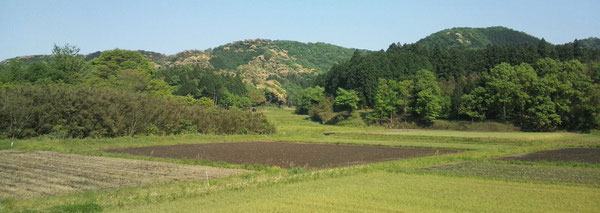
<point x="504" y="112"/>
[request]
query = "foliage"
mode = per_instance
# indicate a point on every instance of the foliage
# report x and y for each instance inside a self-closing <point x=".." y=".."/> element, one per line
<point x="79" y="112"/>
<point x="476" y="38"/>
<point x="361" y="73"/>
<point x="65" y="65"/>
<point x="323" y="111"/>
<point x="199" y="83"/>
<point x="309" y="97"/>
<point x="111" y="62"/>
<point x="393" y="99"/>
<point x="473" y="105"/>
<point x="346" y="100"/>
<point x="427" y="100"/>
<point x="545" y="97"/>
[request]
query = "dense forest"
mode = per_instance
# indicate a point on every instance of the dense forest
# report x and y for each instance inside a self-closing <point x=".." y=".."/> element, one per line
<point x="539" y="87"/>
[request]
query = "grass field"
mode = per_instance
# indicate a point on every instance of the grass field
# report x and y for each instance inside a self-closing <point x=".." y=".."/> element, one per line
<point x="471" y="181"/>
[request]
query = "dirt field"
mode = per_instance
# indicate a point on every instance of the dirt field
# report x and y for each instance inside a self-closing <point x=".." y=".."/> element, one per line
<point x="583" y="155"/>
<point x="284" y="154"/>
<point x="34" y="174"/>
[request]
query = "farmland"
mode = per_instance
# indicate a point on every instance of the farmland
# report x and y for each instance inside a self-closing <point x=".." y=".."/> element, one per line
<point x="34" y="174"/>
<point x="475" y="179"/>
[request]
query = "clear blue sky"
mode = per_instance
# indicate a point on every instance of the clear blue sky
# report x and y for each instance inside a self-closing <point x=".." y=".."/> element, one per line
<point x="32" y="27"/>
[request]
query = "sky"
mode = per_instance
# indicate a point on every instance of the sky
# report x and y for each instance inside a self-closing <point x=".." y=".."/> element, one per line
<point x="30" y="27"/>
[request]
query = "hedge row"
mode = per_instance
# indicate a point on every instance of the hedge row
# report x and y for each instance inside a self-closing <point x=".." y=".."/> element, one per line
<point x="79" y="112"/>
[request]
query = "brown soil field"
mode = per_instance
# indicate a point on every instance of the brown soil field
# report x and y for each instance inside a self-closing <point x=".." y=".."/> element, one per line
<point x="583" y="155"/>
<point x="284" y="154"/>
<point x="32" y="174"/>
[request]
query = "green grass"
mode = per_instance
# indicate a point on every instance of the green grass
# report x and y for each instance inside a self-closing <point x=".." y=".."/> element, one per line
<point x="545" y="173"/>
<point x="384" y="192"/>
<point x="486" y="184"/>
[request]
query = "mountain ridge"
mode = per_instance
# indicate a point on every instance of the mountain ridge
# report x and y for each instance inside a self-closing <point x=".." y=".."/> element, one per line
<point x="477" y="38"/>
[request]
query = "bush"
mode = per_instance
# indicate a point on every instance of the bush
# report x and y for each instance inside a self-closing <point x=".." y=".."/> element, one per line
<point x="323" y="111"/>
<point x="473" y="126"/>
<point x="353" y="120"/>
<point x="79" y="112"/>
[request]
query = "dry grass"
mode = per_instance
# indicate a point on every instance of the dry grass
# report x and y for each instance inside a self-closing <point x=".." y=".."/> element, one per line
<point x="34" y="174"/>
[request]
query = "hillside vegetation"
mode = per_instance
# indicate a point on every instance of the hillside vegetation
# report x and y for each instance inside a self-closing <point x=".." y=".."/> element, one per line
<point x="477" y="74"/>
<point x="119" y="93"/>
<point x="457" y="74"/>
<point x="477" y="38"/>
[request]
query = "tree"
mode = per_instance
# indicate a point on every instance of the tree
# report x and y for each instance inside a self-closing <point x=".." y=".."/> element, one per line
<point x="502" y="85"/>
<point x="346" y="100"/>
<point x="392" y="98"/>
<point x="67" y="60"/>
<point x="111" y="62"/>
<point x="541" y="116"/>
<point x="309" y="97"/>
<point x="427" y="99"/>
<point x="205" y="102"/>
<point x="544" y="48"/>
<point x="323" y="111"/>
<point x="473" y="104"/>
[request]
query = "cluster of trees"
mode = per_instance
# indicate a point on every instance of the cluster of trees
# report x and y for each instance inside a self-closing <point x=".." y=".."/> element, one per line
<point x="64" y="66"/>
<point x="418" y="99"/>
<point x="543" y="97"/>
<point x="119" y="93"/>
<point x="460" y="84"/>
<point x="223" y="89"/>
<point x="314" y="102"/>
<point x="80" y="111"/>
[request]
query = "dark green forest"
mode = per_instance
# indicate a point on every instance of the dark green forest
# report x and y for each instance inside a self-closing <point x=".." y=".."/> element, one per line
<point x="541" y="87"/>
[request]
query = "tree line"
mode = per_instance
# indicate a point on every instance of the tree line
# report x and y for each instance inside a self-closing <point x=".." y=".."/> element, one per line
<point x="540" y="87"/>
<point x="120" y="93"/>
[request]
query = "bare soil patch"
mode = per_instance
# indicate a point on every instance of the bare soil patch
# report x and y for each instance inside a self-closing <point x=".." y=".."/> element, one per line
<point x="33" y="174"/>
<point x="583" y="155"/>
<point x="284" y="154"/>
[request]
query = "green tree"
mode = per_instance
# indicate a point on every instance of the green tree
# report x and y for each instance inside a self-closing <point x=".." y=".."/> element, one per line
<point x="111" y="62"/>
<point x="427" y="99"/>
<point x="473" y="105"/>
<point x="67" y="60"/>
<point x="503" y="87"/>
<point x="392" y="98"/>
<point x="206" y="102"/>
<point x="309" y="97"/>
<point x="323" y="111"/>
<point x="346" y="100"/>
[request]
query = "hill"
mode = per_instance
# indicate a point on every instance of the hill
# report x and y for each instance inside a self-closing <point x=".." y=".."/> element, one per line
<point x="591" y="42"/>
<point x="477" y="38"/>
<point x="265" y="64"/>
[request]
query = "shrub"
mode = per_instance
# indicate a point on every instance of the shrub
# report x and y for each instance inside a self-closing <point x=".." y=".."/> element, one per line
<point x="323" y="111"/>
<point x="79" y="112"/>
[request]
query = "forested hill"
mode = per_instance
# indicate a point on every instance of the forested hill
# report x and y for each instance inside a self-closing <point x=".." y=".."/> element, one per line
<point x="477" y="38"/>
<point x="318" y="56"/>
<point x="274" y="67"/>
<point x="592" y="43"/>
